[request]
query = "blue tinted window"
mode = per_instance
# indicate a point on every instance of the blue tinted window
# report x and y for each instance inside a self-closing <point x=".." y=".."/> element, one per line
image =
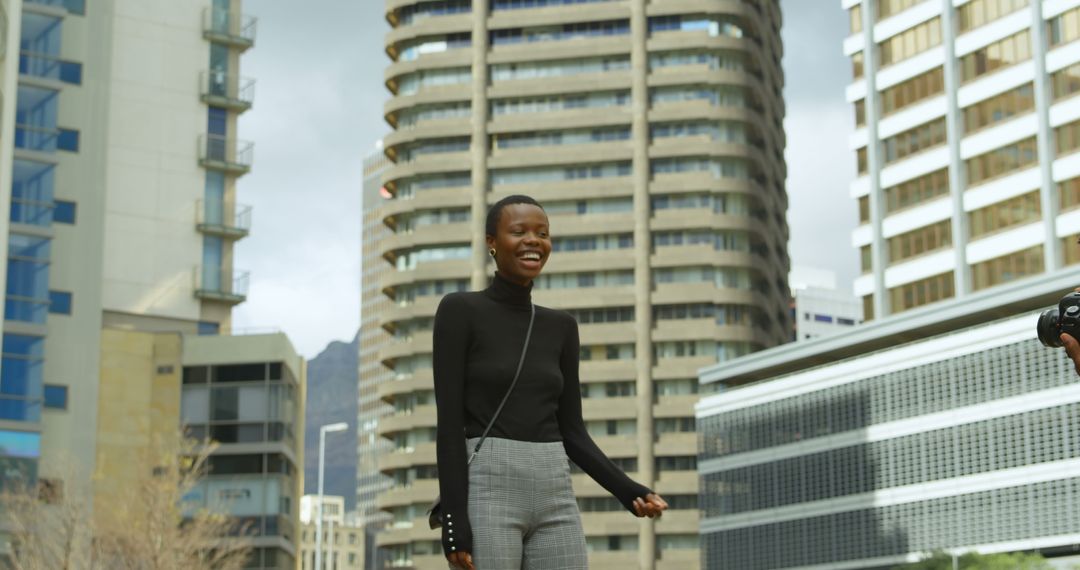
<point x="60" y="302"/>
<point x="209" y="328"/>
<point x="36" y="111"/>
<point x="217" y="121"/>
<point x="76" y="6"/>
<point x="823" y="318"/>
<point x="20" y="444"/>
<point x="71" y="72"/>
<point x="212" y="258"/>
<point x="21" y="377"/>
<point x="64" y="212"/>
<point x="40" y="34"/>
<point x="27" y="279"/>
<point x="31" y="192"/>
<point x="56" y="397"/>
<point x="68" y="139"/>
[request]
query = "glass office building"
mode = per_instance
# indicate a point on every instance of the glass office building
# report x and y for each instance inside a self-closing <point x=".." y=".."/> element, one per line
<point x="858" y="451"/>
<point x="652" y="133"/>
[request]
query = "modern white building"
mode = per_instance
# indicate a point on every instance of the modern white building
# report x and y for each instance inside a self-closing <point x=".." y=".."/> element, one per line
<point x="818" y="307"/>
<point x="945" y="427"/>
<point x="966" y="139"/>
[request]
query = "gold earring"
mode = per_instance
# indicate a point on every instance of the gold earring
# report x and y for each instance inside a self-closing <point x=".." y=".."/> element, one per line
<point x="491" y="252"/>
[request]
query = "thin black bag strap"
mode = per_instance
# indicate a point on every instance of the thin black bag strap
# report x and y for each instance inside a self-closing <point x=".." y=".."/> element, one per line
<point x="521" y="361"/>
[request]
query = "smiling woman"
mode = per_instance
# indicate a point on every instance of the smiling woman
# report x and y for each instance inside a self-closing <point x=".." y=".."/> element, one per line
<point x="514" y="505"/>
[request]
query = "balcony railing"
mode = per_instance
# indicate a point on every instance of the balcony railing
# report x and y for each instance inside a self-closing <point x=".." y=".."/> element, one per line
<point x="47" y="66"/>
<point x="221" y="284"/>
<point x="227" y="26"/>
<point x="227" y="90"/>
<point x="225" y="153"/>
<point x="223" y="219"/>
<point x="38" y="139"/>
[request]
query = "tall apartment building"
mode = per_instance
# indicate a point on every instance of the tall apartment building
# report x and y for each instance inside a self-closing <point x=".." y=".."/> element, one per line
<point x="122" y="209"/>
<point x="652" y="133"/>
<point x="119" y="125"/>
<point x="966" y="133"/>
<point x="373" y="338"/>
<point x="373" y="375"/>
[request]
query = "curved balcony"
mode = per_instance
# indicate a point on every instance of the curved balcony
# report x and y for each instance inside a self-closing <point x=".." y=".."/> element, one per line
<point x="565" y="119"/>
<point x="572" y="48"/>
<point x="427" y="236"/>
<point x="420" y="344"/>
<point x="624" y="408"/>
<point x="561" y="155"/>
<point x="442" y="24"/>
<point x="424" y="454"/>
<point x="459" y="57"/>
<point x="584" y="82"/>
<point x="403" y="496"/>
<point x="229" y="27"/>
<point x="424" y="307"/>
<point x="428" y="200"/>
<point x="560" y="14"/>
<point x="227" y="90"/>
<point x="703" y="110"/>
<point x="434" y="129"/>
<point x="705" y="292"/>
<point x="589" y="224"/>
<point x="700" y="254"/>
<point x="225" y="154"/>
<point x="420" y="380"/>
<point x="434" y="94"/>
<point x="608" y="523"/>
<point x="608" y="370"/>
<point x="585" y="299"/>
<point x="432" y="164"/>
<point x="594" y="260"/>
<point x="229" y="221"/>
<point x="422" y="416"/>
<point x="674" y="183"/>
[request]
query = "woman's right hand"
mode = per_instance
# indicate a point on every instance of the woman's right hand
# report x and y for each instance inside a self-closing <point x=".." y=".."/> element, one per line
<point x="462" y="560"/>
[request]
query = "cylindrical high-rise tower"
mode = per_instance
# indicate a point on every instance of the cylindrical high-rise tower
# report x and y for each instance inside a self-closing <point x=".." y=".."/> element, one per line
<point x="652" y="133"/>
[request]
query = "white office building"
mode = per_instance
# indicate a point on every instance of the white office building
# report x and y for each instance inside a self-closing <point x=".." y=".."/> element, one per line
<point x="966" y="136"/>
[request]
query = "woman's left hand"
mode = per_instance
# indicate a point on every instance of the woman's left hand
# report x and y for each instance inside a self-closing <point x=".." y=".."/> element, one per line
<point x="652" y="506"/>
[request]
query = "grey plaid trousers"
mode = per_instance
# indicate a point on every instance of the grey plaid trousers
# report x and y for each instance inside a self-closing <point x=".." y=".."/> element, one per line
<point x="522" y="507"/>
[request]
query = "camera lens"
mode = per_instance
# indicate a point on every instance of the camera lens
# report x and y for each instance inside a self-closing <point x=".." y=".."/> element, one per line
<point x="1049" y="335"/>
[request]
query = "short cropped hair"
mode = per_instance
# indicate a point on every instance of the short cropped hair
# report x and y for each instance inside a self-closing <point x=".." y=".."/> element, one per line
<point x="496" y="210"/>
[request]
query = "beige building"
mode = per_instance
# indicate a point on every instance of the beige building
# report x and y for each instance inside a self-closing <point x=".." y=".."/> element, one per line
<point x="342" y="538"/>
<point x="652" y="133"/>
<point x="244" y="392"/>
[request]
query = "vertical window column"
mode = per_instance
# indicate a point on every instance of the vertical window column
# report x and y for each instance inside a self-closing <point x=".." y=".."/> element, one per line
<point x="955" y="131"/>
<point x="1048" y="190"/>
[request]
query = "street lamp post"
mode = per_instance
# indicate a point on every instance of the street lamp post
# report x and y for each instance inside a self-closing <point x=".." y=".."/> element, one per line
<point x="330" y="428"/>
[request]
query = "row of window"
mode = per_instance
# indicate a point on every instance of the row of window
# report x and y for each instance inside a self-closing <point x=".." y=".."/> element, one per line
<point x="605" y="428"/>
<point x="969" y="16"/>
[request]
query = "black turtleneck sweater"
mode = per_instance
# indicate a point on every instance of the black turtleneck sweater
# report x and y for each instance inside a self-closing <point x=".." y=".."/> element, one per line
<point x="478" y="338"/>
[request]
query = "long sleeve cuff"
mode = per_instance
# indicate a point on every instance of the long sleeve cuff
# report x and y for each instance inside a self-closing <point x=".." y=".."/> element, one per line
<point x="456" y="534"/>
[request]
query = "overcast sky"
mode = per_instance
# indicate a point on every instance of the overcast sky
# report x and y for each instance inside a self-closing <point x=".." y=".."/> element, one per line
<point x="319" y="93"/>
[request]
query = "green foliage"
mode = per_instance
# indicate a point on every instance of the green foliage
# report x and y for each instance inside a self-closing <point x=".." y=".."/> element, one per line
<point x="974" y="561"/>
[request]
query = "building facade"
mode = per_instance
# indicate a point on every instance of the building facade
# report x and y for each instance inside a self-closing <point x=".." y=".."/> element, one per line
<point x="118" y="160"/>
<point x="965" y="139"/>
<point x="865" y="451"/>
<point x="652" y="133"/>
<point x="122" y="193"/>
<point x="342" y="539"/>
<point x="247" y="393"/>
<point x="818" y="307"/>
<point x="374" y="406"/>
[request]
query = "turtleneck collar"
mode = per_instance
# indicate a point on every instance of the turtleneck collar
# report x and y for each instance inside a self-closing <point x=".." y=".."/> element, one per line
<point x="505" y="291"/>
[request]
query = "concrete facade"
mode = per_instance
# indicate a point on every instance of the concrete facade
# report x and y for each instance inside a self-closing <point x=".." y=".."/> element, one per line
<point x="652" y="133"/>
<point x="373" y="338"/>
<point x="343" y="536"/>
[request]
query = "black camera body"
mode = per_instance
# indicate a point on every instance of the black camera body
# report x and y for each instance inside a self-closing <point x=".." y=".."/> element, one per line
<point x="1064" y="319"/>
